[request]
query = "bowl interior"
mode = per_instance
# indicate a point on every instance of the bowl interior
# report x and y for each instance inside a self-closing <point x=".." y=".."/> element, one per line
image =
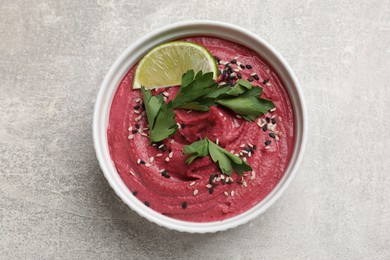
<point x="131" y="55"/>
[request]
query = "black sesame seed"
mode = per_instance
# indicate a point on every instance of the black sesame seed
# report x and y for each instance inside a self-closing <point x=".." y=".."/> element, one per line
<point x="234" y="61"/>
<point x="250" y="79"/>
<point x="272" y="135"/>
<point x="274" y="121"/>
<point x="141" y="162"/>
<point x="134" y="131"/>
<point x="239" y="75"/>
<point x="268" y="142"/>
<point x="166" y="175"/>
<point x="227" y="65"/>
<point x="254" y="147"/>
<point x="164" y="149"/>
<point x="169" y="149"/>
<point x="256" y="77"/>
<point x="136" y="107"/>
<point x="212" y="176"/>
<point x="184" y="205"/>
<point x="224" y="73"/>
<point x="265" y="128"/>
<point x="248" y="66"/>
<point x="147" y="204"/>
<point x="248" y="149"/>
<point x="135" y="193"/>
<point x="164" y="172"/>
<point x="228" y="77"/>
<point x="242" y="66"/>
<point x="137" y="126"/>
<point x="219" y="72"/>
<point x="268" y="119"/>
<point x="230" y="70"/>
<point x="211" y="190"/>
<point x="223" y="181"/>
<point x="265" y="81"/>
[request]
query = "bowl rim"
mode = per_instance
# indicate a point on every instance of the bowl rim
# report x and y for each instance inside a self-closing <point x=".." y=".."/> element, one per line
<point x="174" y="31"/>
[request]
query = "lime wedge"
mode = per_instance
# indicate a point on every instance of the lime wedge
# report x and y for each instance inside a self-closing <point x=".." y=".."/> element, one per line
<point x="164" y="65"/>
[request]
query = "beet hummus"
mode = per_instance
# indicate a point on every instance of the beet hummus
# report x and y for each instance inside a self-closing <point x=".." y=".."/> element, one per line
<point x="158" y="175"/>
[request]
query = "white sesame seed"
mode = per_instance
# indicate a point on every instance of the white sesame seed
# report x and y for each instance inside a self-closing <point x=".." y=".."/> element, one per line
<point x="208" y="186"/>
<point x="232" y="193"/>
<point x="220" y="114"/>
<point x="254" y="73"/>
<point x="239" y="68"/>
<point x="238" y="63"/>
<point x="267" y="147"/>
<point x="160" y="146"/>
<point x="226" y="193"/>
<point x="249" y="154"/>
<point x="253" y="175"/>
<point x="235" y="58"/>
<point x="132" y="173"/>
<point x="242" y="145"/>
<point x="137" y="112"/>
<point x="159" y="155"/>
<point x="165" y="99"/>
<point x="245" y="151"/>
<point x="165" y="94"/>
<point x="217" y="141"/>
<point x="130" y="137"/>
<point x="138" y="161"/>
<point x="151" y="159"/>
<point x="231" y="151"/>
<point x="231" y="179"/>
<point x="178" y="125"/>
<point x="147" y="164"/>
<point x="196" y="192"/>
<point x="170" y="155"/>
<point x="130" y="128"/>
<point x="145" y="128"/>
<point x="241" y="154"/>
<point x="161" y="170"/>
<point x="244" y="159"/>
<point x="245" y="184"/>
<point x="250" y="145"/>
<point x="236" y="70"/>
<point x="280" y="118"/>
<point x="222" y="83"/>
<point x="154" y="144"/>
<point x="167" y="159"/>
<point x="226" y="63"/>
<point x="222" y="177"/>
<point x="138" y="118"/>
<point x="143" y="134"/>
<point x="222" y="62"/>
<point x="268" y="84"/>
<point x="263" y="121"/>
<point x="232" y="74"/>
<point x="273" y="109"/>
<point x="172" y="141"/>
<point x="238" y="116"/>
<point x="192" y="183"/>
<point x="245" y="175"/>
<point x="236" y="154"/>
<point x="276" y="138"/>
<point x="189" y="111"/>
<point x="218" y="179"/>
<point x="138" y="100"/>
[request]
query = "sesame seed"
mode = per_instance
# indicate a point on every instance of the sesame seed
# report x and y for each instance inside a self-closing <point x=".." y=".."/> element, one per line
<point x="268" y="84"/>
<point x="165" y="94"/>
<point x="242" y="145"/>
<point x="233" y="61"/>
<point x="141" y="162"/>
<point x="268" y="147"/>
<point x="145" y="128"/>
<point x="226" y="193"/>
<point x="232" y="193"/>
<point x="244" y="183"/>
<point x="249" y="154"/>
<point x="267" y="142"/>
<point x="159" y="155"/>
<point x="151" y="159"/>
<point x="265" y="127"/>
<point x="147" y="164"/>
<point x="165" y="174"/>
<point x="231" y="151"/>
<point x="170" y="155"/>
<point x="273" y="109"/>
<point x="160" y="146"/>
<point x="254" y="73"/>
<point x="272" y="135"/>
<point x="195" y="192"/>
<point x="138" y="100"/>
<point x="250" y="79"/>
<point x="172" y="141"/>
<point x="209" y="186"/>
<point x="248" y="66"/>
<point x="189" y="111"/>
<point x="211" y="190"/>
<point x="217" y="141"/>
<point x="241" y="154"/>
<point x="265" y="81"/>
<point x="167" y="159"/>
<point x="165" y="99"/>
<point x="244" y="159"/>
<point x="236" y="70"/>
<point x="137" y="126"/>
<point x="238" y="116"/>
<point x="137" y="107"/>
<point x="184" y="205"/>
<point x="130" y="128"/>
<point x="132" y="173"/>
<point x="277" y="138"/>
<point x="147" y="204"/>
<point x="221" y="83"/>
<point x="211" y="179"/>
<point x="245" y="151"/>
<point x="280" y="118"/>
<point x="130" y="137"/>
<point x="242" y="66"/>
<point x="273" y="121"/>
<point x="192" y="183"/>
<point x="162" y="170"/>
<point x="138" y="118"/>
<point x="253" y="175"/>
<point x="143" y="134"/>
<point x="250" y="145"/>
<point x="135" y="193"/>
<point x="236" y="154"/>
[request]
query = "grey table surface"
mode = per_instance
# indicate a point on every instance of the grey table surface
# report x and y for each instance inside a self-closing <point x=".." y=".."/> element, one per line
<point x="54" y="200"/>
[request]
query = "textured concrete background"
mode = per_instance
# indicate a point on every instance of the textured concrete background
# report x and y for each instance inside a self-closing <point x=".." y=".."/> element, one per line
<point x="54" y="200"/>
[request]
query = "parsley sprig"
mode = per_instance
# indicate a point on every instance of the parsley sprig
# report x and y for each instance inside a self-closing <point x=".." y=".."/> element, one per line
<point x="226" y="160"/>
<point x="161" y="116"/>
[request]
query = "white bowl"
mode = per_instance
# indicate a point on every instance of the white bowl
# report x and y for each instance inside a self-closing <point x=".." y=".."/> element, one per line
<point x="168" y="33"/>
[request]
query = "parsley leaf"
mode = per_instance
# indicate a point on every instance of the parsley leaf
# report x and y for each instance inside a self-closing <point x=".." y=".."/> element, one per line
<point x="193" y="90"/>
<point x="161" y="116"/>
<point x="226" y="160"/>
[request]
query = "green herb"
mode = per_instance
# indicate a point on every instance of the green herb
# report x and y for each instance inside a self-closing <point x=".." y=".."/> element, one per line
<point x="193" y="90"/>
<point x="226" y="161"/>
<point x="161" y="116"/>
